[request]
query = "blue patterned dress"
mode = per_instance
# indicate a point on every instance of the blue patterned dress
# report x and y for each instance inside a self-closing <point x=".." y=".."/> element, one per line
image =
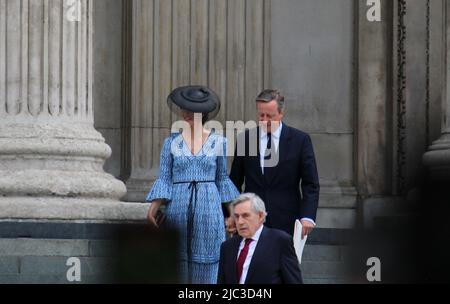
<point x="195" y="186"/>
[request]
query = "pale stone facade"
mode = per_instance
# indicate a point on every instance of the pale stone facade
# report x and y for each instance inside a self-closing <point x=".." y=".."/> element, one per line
<point x="51" y="157"/>
<point x="373" y="96"/>
<point x="369" y="93"/>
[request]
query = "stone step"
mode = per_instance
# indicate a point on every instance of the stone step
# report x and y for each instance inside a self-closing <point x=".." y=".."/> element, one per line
<point x="40" y="247"/>
<point x="398" y="221"/>
<point x="9" y="265"/>
<point x="321" y="253"/>
<point x="31" y="265"/>
<point x="325" y="264"/>
<point x="51" y="279"/>
<point x="324" y="270"/>
<point x="54" y="265"/>
<point x="103" y="248"/>
<point x="329" y="236"/>
<point x="327" y="281"/>
<point x="56" y="247"/>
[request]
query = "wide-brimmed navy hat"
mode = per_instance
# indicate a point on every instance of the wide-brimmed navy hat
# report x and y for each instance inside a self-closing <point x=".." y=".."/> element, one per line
<point x="196" y="99"/>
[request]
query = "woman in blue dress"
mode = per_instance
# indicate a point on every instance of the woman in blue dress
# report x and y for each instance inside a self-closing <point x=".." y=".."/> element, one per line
<point x="193" y="183"/>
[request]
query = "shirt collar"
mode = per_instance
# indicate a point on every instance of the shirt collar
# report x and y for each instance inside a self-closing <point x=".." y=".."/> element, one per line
<point x="257" y="234"/>
<point x="275" y="134"/>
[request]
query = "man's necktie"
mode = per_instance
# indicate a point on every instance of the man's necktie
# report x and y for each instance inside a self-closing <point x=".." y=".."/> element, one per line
<point x="268" y="156"/>
<point x="269" y="146"/>
<point x="241" y="259"/>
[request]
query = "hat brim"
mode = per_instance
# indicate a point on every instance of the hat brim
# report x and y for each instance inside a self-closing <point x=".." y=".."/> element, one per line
<point x="209" y="104"/>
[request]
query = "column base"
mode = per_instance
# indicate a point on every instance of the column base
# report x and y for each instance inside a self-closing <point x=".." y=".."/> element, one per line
<point x="54" y="183"/>
<point x="437" y="160"/>
<point x="73" y="209"/>
<point x="137" y="189"/>
<point x="55" y="160"/>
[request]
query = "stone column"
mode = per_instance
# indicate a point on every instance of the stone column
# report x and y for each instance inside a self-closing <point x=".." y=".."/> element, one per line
<point x="222" y="44"/>
<point x="148" y="71"/>
<point x="437" y="159"/>
<point x="51" y="157"/>
<point x="374" y="115"/>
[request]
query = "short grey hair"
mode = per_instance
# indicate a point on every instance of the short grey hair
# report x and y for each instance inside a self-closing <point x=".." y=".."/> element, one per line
<point x="272" y="94"/>
<point x="255" y="201"/>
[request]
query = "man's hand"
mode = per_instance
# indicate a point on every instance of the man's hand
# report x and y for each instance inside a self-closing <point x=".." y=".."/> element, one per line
<point x="307" y="227"/>
<point x="230" y="225"/>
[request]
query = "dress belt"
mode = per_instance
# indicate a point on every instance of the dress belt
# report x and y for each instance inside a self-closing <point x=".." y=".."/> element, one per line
<point x="190" y="219"/>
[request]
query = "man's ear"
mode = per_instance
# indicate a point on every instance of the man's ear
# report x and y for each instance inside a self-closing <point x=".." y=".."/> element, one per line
<point x="261" y="215"/>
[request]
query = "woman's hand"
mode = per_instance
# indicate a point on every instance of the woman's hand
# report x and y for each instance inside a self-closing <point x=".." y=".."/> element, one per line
<point x="151" y="215"/>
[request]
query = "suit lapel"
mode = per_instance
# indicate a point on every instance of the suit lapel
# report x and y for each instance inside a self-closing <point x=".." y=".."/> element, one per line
<point x="258" y="255"/>
<point x="235" y="250"/>
<point x="284" y="142"/>
<point x="283" y="149"/>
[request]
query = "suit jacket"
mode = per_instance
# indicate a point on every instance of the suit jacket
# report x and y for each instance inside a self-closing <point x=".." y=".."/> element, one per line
<point x="274" y="260"/>
<point x="281" y="190"/>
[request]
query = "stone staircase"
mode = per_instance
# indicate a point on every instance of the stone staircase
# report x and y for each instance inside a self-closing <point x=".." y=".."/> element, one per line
<point x="45" y="261"/>
<point x="324" y="264"/>
<point x="33" y="253"/>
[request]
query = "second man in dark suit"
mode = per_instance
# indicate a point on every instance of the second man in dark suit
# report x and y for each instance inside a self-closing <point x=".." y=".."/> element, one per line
<point x="283" y="164"/>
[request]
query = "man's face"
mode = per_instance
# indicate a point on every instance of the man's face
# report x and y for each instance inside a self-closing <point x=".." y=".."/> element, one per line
<point x="247" y="220"/>
<point x="269" y="115"/>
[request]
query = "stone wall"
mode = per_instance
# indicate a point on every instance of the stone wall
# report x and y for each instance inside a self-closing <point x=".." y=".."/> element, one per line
<point x="108" y="41"/>
<point x="370" y="90"/>
<point x="313" y="64"/>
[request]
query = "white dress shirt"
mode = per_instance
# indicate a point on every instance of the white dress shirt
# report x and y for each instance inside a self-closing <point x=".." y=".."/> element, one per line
<point x="251" y="251"/>
<point x="263" y="146"/>
<point x="263" y="143"/>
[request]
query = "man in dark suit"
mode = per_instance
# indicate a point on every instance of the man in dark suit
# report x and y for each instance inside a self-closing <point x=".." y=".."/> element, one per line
<point x="258" y="255"/>
<point x="284" y="161"/>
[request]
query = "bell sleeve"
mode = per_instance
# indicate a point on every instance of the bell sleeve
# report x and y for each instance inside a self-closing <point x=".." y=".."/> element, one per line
<point x="162" y="188"/>
<point x="227" y="189"/>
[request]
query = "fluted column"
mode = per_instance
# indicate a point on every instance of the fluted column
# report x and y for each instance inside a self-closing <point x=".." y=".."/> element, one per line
<point x="148" y="68"/>
<point x="49" y="149"/>
<point x="437" y="159"/>
<point x="222" y="44"/>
